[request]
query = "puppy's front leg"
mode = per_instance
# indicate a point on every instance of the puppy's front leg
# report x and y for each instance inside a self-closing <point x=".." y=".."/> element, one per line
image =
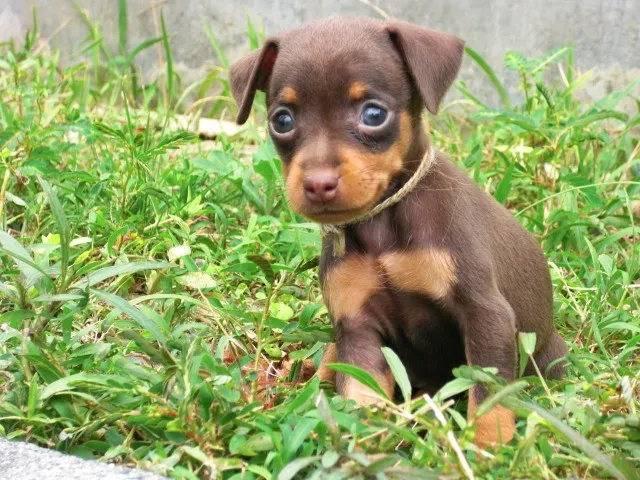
<point x="359" y="343"/>
<point x="490" y="341"/>
<point x="348" y="285"/>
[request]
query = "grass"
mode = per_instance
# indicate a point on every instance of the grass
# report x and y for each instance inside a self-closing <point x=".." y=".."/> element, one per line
<point x="159" y="300"/>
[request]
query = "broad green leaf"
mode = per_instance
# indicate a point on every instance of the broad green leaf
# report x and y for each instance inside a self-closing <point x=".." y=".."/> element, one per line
<point x="15" y="199"/>
<point x="34" y="396"/>
<point x="219" y="162"/>
<point x="399" y="372"/>
<point x="330" y="458"/>
<point x="60" y="297"/>
<point x="527" y="346"/>
<point x="196" y="280"/>
<point x="31" y="272"/>
<point x="71" y="382"/>
<point x="292" y="469"/>
<point x="528" y="342"/>
<point x="607" y="264"/>
<point x="128" y="309"/>
<point x="500" y="396"/>
<point x="301" y="432"/>
<point x="360" y="375"/>
<point x="592" y="117"/>
<point x="503" y="188"/>
<point x="178" y="252"/>
<point x="452" y="388"/>
<point x="265" y="266"/>
<point x="259" y="470"/>
<point x="303" y="397"/>
<point x="379" y="466"/>
<point x="216" y="464"/>
<point x="8" y="291"/>
<point x="16" y="316"/>
<point x="93" y="278"/>
<point x="62" y="225"/>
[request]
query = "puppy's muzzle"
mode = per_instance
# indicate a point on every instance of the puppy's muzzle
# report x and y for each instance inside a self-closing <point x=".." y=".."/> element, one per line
<point x="320" y="186"/>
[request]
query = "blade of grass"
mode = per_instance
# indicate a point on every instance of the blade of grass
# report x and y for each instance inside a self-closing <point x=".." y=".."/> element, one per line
<point x="122" y="27"/>
<point x="169" y="60"/>
<point x="125" y="307"/>
<point x="29" y="270"/>
<point x="360" y="375"/>
<point x="399" y="372"/>
<point x="493" y="78"/>
<point x="582" y="443"/>
<point x="98" y="276"/>
<point x="222" y="58"/>
<point x="64" y="230"/>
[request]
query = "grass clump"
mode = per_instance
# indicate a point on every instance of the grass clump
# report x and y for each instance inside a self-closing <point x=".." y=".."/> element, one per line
<point x="159" y="301"/>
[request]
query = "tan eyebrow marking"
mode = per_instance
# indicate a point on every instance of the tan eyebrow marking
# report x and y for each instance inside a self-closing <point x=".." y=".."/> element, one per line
<point x="357" y="91"/>
<point x="289" y="95"/>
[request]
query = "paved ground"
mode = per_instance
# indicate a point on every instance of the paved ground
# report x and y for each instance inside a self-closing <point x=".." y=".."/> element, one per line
<point x="23" y="461"/>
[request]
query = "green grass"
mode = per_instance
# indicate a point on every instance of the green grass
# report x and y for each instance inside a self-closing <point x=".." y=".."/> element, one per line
<point x="158" y="297"/>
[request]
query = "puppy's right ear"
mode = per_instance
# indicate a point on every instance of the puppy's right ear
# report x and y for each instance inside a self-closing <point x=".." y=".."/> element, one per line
<point x="252" y="73"/>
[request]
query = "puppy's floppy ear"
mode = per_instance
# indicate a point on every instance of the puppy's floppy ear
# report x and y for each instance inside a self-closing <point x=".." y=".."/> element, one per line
<point x="252" y="73"/>
<point x="431" y="58"/>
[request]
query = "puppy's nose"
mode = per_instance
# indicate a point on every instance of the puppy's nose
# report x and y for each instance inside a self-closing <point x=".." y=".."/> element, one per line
<point x="320" y="186"/>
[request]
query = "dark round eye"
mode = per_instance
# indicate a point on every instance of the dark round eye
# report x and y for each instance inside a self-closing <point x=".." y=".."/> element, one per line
<point x="282" y="122"/>
<point x="373" y="116"/>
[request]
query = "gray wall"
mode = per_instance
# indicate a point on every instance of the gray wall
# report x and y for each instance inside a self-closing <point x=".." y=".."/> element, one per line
<point x="605" y="33"/>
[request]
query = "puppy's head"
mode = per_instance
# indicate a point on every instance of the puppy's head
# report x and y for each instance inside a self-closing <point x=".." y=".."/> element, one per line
<point x="344" y="98"/>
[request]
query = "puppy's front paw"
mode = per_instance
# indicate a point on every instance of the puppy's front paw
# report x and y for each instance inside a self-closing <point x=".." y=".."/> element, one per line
<point x="330" y="356"/>
<point x="361" y="394"/>
<point x="494" y="428"/>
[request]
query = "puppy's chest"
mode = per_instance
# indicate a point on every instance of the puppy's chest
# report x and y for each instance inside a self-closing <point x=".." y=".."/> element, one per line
<point x="373" y="282"/>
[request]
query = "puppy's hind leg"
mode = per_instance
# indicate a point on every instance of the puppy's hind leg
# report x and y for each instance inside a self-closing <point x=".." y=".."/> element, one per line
<point x="490" y="341"/>
<point x="555" y="348"/>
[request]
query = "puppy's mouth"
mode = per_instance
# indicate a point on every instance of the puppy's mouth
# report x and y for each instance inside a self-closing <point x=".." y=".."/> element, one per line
<point x="344" y="207"/>
<point x="341" y="210"/>
<point x="329" y="214"/>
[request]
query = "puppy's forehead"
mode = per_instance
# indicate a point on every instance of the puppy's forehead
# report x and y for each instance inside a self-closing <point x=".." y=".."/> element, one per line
<point x="325" y="58"/>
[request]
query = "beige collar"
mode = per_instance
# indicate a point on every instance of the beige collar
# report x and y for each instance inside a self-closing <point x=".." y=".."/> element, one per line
<point x="336" y="230"/>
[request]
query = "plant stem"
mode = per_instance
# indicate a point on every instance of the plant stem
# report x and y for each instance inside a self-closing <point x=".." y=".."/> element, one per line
<point x="3" y="193"/>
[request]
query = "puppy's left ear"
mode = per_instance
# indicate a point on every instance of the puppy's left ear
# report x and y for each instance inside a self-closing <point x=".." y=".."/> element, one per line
<point x="432" y="59"/>
<point x="252" y="73"/>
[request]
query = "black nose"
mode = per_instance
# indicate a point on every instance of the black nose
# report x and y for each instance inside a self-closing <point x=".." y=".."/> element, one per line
<point x="320" y="186"/>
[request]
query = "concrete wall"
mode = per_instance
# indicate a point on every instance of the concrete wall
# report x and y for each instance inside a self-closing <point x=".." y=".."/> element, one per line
<point x="605" y="33"/>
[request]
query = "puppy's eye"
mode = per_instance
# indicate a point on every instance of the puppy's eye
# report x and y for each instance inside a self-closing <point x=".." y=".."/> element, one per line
<point x="282" y="122"/>
<point x="373" y="116"/>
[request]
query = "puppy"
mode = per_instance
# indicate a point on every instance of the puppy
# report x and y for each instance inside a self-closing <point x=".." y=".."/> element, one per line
<point x="444" y="276"/>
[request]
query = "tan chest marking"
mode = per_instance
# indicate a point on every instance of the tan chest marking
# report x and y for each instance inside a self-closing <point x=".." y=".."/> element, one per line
<point x="431" y="272"/>
<point x="349" y="284"/>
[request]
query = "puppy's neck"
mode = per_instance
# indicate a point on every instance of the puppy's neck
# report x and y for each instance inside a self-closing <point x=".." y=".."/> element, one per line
<point x="414" y="156"/>
<point x="382" y="232"/>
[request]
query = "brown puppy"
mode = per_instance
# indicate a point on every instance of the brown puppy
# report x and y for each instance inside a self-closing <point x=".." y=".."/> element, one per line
<point x="446" y="276"/>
